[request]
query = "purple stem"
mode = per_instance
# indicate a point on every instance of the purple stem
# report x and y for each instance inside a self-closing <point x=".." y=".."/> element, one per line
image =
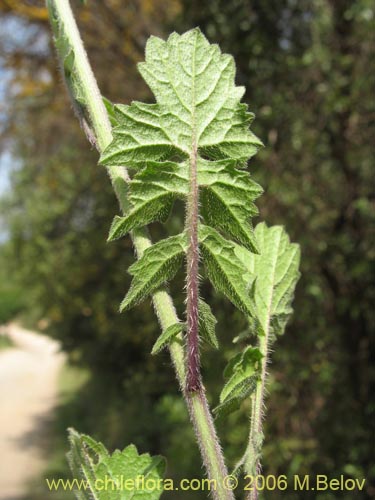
<point x="193" y="380"/>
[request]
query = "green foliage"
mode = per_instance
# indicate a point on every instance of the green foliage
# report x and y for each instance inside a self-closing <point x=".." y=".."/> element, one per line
<point x="227" y="199"/>
<point x="90" y="462"/>
<point x="225" y="270"/>
<point x="166" y="336"/>
<point x="191" y="145"/>
<point x="151" y="195"/>
<point x="242" y="372"/>
<point x="197" y="101"/>
<point x="157" y="265"/>
<point x="276" y="270"/>
<point x="198" y="107"/>
<point x="207" y="326"/>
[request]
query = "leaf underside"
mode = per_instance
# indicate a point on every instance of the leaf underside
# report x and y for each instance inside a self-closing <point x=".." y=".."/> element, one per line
<point x="158" y="264"/>
<point x="276" y="270"/>
<point x="197" y="103"/>
<point x="276" y="273"/>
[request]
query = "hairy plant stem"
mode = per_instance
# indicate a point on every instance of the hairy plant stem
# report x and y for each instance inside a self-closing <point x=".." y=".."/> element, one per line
<point x="62" y="17"/>
<point x="255" y="442"/>
<point x="193" y="381"/>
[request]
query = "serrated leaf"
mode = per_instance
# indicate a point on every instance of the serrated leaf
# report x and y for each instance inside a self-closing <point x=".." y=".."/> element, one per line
<point x="227" y="200"/>
<point x="276" y="271"/>
<point x="197" y="102"/>
<point x="198" y="105"/>
<point x="242" y="366"/>
<point x="225" y="270"/>
<point x="244" y="390"/>
<point x="166" y="336"/>
<point x="94" y="467"/>
<point x="146" y="132"/>
<point x="194" y="79"/>
<point x="242" y="372"/>
<point x="158" y="264"/>
<point x="207" y="324"/>
<point x="156" y="209"/>
<point x="151" y="194"/>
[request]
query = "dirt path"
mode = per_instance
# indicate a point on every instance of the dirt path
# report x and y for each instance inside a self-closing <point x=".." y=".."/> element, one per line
<point x="28" y="393"/>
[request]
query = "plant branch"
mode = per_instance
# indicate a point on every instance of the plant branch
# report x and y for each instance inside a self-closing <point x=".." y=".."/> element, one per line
<point x="62" y="19"/>
<point x="252" y="460"/>
<point x="255" y="442"/>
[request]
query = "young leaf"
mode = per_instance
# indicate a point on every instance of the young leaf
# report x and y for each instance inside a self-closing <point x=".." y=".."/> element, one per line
<point x="207" y="323"/>
<point x="194" y="80"/>
<point x="94" y="467"/>
<point x="166" y="336"/>
<point x="242" y="372"/>
<point x="276" y="271"/>
<point x="225" y="270"/>
<point x="198" y="110"/>
<point x="157" y="265"/>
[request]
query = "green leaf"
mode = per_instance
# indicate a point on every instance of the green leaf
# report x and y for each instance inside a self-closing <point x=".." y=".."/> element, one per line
<point x="243" y="365"/>
<point x="195" y="81"/>
<point x="276" y="271"/>
<point x="158" y="264"/>
<point x="94" y="467"/>
<point x="166" y="336"/>
<point x="110" y="108"/>
<point x="146" y="132"/>
<point x="225" y="270"/>
<point x="151" y="194"/>
<point x="227" y="199"/>
<point x="198" y="105"/>
<point x="158" y="208"/>
<point x="242" y="372"/>
<point x="198" y="126"/>
<point x="197" y="102"/>
<point x="207" y="324"/>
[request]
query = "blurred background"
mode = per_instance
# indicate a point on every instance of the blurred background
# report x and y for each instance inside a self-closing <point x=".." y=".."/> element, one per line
<point x="308" y="68"/>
